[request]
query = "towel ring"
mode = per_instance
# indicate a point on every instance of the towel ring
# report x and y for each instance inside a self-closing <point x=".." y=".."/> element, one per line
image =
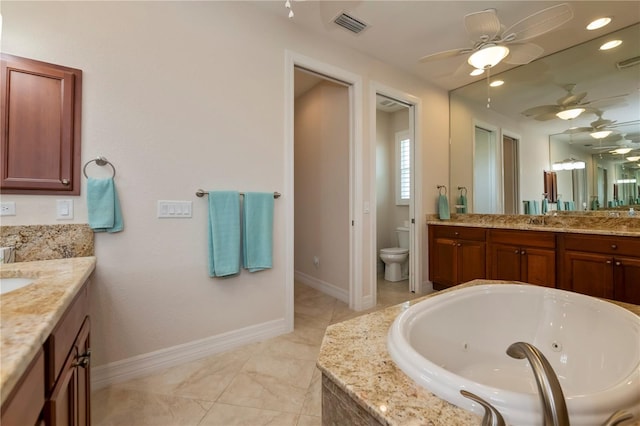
<point x="461" y="189"/>
<point x="440" y="188"/>
<point x="100" y="161"/>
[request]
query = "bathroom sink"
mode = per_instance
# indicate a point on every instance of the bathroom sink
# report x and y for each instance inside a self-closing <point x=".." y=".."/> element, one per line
<point x="10" y="284"/>
<point x="458" y="340"/>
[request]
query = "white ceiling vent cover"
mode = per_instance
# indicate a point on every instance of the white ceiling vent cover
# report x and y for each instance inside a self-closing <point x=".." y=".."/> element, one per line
<point x="350" y="23"/>
<point x="628" y="63"/>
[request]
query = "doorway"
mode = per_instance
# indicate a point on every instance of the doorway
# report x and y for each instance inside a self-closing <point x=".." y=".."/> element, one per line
<point x="510" y="168"/>
<point x="395" y="160"/>
<point x="486" y="171"/>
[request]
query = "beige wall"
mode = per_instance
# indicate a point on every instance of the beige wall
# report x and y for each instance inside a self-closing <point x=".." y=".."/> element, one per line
<point x="179" y="96"/>
<point x="322" y="184"/>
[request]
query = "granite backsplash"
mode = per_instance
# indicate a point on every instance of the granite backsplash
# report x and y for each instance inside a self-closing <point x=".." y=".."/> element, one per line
<point x="45" y="242"/>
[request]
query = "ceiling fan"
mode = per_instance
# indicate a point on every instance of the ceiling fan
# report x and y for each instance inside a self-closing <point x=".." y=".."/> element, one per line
<point x="569" y="106"/>
<point x="491" y="42"/>
<point x="599" y="129"/>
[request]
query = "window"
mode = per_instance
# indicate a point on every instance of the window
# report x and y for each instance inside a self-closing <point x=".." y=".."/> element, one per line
<point x="403" y="168"/>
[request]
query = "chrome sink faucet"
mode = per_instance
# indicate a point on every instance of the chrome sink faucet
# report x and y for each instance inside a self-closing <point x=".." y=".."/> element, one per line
<point x="554" y="407"/>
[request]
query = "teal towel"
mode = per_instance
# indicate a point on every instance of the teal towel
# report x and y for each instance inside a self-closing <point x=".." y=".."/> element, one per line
<point x="443" y="208"/>
<point x="560" y="205"/>
<point x="103" y="206"/>
<point x="257" y="231"/>
<point x="545" y="206"/>
<point x="527" y="207"/>
<point x="224" y="233"/>
<point x="535" y="209"/>
<point x="462" y="201"/>
<point x="571" y="206"/>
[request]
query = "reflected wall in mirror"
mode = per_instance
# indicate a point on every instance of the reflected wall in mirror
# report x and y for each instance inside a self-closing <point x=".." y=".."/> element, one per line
<point x="604" y="83"/>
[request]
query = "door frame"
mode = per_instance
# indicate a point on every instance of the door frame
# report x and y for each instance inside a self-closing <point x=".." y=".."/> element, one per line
<point x="415" y="204"/>
<point x="354" y="84"/>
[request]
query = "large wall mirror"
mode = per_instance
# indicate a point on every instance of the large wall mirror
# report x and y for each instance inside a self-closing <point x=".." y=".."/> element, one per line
<point x="499" y="151"/>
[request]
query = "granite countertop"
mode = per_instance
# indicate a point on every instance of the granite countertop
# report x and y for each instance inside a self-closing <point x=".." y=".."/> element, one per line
<point x="29" y="314"/>
<point x="354" y="356"/>
<point x="600" y="225"/>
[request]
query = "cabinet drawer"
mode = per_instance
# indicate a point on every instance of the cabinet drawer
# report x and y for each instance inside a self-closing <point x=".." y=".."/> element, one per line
<point x="627" y="246"/>
<point x="60" y="342"/>
<point x="459" y="232"/>
<point x="24" y="406"/>
<point x="523" y="238"/>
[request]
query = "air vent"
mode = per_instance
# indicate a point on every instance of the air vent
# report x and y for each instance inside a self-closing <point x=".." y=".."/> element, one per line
<point x="628" y="63"/>
<point x="350" y="23"/>
<point x="388" y="103"/>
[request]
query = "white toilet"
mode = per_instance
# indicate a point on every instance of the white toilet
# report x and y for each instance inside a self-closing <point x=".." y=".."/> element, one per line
<point x="396" y="259"/>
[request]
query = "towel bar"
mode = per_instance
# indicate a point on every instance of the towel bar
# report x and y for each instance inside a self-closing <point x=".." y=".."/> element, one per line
<point x="201" y="193"/>
<point x="100" y="161"/>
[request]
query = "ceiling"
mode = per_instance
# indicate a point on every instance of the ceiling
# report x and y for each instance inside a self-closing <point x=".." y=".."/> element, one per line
<point x="402" y="32"/>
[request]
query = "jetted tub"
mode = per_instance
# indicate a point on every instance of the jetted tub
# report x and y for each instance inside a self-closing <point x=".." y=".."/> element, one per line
<point x="458" y="340"/>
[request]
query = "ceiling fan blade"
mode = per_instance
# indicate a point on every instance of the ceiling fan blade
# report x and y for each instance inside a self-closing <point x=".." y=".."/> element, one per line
<point x="572" y="98"/>
<point x="520" y="54"/>
<point x="546" y="116"/>
<point x="540" y="22"/>
<point x="542" y="109"/>
<point x="483" y="25"/>
<point x="575" y="130"/>
<point x="445" y="54"/>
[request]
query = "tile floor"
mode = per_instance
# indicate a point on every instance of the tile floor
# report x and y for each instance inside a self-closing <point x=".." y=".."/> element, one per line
<point x="274" y="382"/>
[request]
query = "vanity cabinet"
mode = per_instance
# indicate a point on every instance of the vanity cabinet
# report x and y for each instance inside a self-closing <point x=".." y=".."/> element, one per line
<point x="456" y="255"/>
<point x="55" y="389"/>
<point x="527" y="256"/>
<point x="67" y="366"/>
<point x="601" y="266"/>
<point x="40" y="138"/>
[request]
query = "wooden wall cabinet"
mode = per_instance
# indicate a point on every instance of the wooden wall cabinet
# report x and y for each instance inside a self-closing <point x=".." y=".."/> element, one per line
<point x="601" y="266"/>
<point x="41" y="121"/>
<point x="55" y="389"/>
<point x="456" y="255"/>
<point x="528" y="256"/>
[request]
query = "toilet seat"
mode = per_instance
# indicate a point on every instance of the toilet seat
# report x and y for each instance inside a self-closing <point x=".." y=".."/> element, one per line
<point x="394" y="250"/>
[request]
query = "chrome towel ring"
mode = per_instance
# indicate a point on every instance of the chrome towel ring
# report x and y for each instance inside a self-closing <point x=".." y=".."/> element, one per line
<point x="440" y="188"/>
<point x="100" y="161"/>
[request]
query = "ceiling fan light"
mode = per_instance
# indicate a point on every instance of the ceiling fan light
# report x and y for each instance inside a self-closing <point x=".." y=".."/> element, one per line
<point x="611" y="44"/>
<point x="634" y="158"/>
<point x="496" y="83"/>
<point x="577" y="165"/>
<point x="570" y="114"/>
<point x="598" y="23"/>
<point x="600" y="134"/>
<point x="557" y="166"/>
<point x="621" y="151"/>
<point x="476" y="72"/>
<point x="487" y="57"/>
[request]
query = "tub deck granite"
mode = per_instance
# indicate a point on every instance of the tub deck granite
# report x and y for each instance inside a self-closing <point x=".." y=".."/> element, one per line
<point x="354" y="357"/>
<point x="28" y="315"/>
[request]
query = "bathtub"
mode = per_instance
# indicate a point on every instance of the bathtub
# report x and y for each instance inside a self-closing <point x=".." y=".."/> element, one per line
<point x="458" y="340"/>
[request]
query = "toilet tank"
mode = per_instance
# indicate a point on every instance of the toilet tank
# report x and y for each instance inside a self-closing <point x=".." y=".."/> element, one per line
<point x="403" y="237"/>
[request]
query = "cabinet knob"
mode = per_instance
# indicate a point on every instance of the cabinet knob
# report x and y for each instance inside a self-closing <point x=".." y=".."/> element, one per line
<point x="83" y="360"/>
<point x="459" y="244"/>
<point x="456" y="233"/>
<point x="618" y="263"/>
<point x="66" y="182"/>
<point x="613" y="246"/>
<point x="523" y="252"/>
<point x="608" y="262"/>
<point x="516" y="251"/>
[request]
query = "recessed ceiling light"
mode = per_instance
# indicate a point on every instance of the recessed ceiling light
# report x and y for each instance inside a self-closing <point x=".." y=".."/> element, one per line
<point x="476" y="71"/>
<point x="496" y="83"/>
<point x="598" y="23"/>
<point x="611" y="44"/>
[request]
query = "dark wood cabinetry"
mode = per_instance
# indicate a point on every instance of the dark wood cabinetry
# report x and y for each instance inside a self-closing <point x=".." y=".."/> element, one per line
<point x="41" y="117"/>
<point x="601" y="266"/>
<point x="456" y="255"/>
<point x="528" y="256"/>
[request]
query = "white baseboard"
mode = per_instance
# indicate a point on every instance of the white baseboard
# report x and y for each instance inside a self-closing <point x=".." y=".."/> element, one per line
<point x="325" y="287"/>
<point x="144" y="364"/>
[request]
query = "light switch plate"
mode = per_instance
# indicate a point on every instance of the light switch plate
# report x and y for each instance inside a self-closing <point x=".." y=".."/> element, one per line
<point x="175" y="209"/>
<point x="64" y="209"/>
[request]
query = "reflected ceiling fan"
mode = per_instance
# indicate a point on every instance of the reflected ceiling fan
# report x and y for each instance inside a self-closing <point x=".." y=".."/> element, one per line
<point x="599" y="129"/>
<point x="568" y="107"/>
<point x="492" y="43"/>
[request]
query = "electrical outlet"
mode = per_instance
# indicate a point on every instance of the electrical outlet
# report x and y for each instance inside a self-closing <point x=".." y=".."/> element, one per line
<point x="316" y="261"/>
<point x="64" y="209"/>
<point x="8" y="208"/>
